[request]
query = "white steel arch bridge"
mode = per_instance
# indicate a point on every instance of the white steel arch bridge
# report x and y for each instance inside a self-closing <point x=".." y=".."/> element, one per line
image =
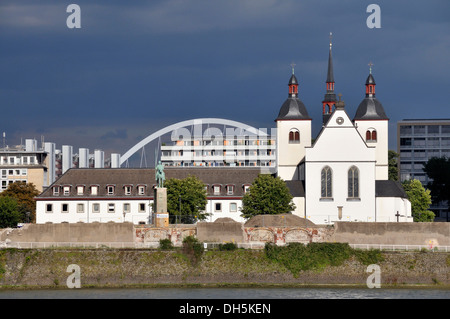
<point x="196" y="123"/>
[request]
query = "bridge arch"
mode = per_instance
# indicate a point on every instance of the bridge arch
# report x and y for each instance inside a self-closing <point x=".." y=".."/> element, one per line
<point x="193" y="122"/>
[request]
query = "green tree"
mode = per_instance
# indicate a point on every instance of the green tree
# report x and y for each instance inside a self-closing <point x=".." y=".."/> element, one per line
<point x="393" y="165"/>
<point x="420" y="199"/>
<point x="186" y="198"/>
<point x="267" y="195"/>
<point x="25" y="194"/>
<point x="438" y="170"/>
<point x="9" y="212"/>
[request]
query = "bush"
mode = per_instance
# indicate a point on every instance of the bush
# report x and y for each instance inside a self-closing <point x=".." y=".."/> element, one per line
<point x="193" y="249"/>
<point x="298" y="257"/>
<point x="165" y="244"/>
<point x="227" y="246"/>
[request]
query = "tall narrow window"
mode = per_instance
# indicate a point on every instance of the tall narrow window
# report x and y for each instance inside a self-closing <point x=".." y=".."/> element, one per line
<point x="371" y="135"/>
<point x="353" y="182"/>
<point x="326" y="182"/>
<point x="294" y="136"/>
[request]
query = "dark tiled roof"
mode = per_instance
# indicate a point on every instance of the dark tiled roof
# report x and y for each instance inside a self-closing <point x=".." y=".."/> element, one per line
<point x="389" y="189"/>
<point x="121" y="177"/>
<point x="370" y="109"/>
<point x="293" y="109"/>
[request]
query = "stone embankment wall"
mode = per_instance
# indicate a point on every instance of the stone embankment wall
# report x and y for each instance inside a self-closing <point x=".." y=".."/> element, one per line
<point x="435" y="234"/>
<point x="38" y="268"/>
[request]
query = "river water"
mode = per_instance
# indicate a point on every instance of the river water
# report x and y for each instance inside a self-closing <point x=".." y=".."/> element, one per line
<point x="228" y="293"/>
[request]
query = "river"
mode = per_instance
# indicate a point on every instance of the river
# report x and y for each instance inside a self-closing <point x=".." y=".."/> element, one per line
<point x="228" y="293"/>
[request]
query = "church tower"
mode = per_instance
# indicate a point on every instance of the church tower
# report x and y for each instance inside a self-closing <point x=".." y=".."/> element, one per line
<point x="372" y="124"/>
<point x="329" y="101"/>
<point x="293" y="132"/>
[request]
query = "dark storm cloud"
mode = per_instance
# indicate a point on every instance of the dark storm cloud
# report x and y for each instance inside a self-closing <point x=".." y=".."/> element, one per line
<point x="137" y="66"/>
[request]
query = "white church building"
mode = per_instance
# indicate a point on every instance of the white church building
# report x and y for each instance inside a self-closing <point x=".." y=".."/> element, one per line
<point x="344" y="172"/>
<point x="341" y="176"/>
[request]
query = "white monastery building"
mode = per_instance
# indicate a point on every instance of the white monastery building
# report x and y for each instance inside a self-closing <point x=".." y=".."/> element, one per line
<point x="341" y="176"/>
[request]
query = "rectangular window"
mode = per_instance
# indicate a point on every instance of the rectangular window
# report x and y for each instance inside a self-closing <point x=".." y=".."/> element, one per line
<point x="126" y="207"/>
<point x="141" y="207"/>
<point x="111" y="208"/>
<point x="110" y="190"/>
<point x="56" y="190"/>
<point x="66" y="190"/>
<point x="49" y="208"/>
<point x="80" y="190"/>
<point x="64" y="208"/>
<point x="127" y="190"/>
<point x="218" y="207"/>
<point x="230" y="190"/>
<point x="141" y="190"/>
<point x="233" y="207"/>
<point x="80" y="208"/>
<point x="96" y="208"/>
<point x="216" y="190"/>
<point x="94" y="190"/>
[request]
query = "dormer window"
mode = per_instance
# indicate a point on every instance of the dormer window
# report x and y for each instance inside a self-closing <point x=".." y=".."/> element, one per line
<point x="216" y="189"/>
<point x="56" y="190"/>
<point x="66" y="190"/>
<point x="94" y="190"/>
<point x="80" y="190"/>
<point x="230" y="189"/>
<point x="127" y="189"/>
<point x="110" y="190"/>
<point x="141" y="190"/>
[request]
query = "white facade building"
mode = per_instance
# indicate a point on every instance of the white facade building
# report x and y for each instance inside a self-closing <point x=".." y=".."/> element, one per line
<point x="126" y="194"/>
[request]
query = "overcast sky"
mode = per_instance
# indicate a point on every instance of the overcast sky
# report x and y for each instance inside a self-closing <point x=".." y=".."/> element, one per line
<point x="135" y="67"/>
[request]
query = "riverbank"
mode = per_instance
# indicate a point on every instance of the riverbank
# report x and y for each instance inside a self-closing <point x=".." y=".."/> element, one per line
<point x="138" y="268"/>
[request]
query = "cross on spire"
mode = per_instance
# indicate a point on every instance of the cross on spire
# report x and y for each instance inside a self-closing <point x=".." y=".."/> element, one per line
<point x="370" y="67"/>
<point x="293" y="66"/>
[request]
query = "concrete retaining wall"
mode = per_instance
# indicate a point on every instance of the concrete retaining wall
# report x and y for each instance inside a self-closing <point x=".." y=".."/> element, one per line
<point x="435" y="234"/>
<point x="65" y="232"/>
<point x="392" y="233"/>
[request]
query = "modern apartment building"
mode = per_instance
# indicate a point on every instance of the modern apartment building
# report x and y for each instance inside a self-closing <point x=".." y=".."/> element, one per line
<point x="418" y="140"/>
<point x="222" y="150"/>
<point x="25" y="163"/>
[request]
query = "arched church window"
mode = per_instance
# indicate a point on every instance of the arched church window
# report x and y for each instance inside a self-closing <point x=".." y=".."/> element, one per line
<point x="353" y="182"/>
<point x="326" y="182"/>
<point x="294" y="136"/>
<point x="371" y="135"/>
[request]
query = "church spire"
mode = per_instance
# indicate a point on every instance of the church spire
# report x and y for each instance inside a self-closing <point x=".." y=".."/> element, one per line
<point x="370" y="83"/>
<point x="330" y="97"/>
<point x="293" y="83"/>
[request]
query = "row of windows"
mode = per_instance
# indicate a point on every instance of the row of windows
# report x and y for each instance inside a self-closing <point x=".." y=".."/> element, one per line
<point x="111" y="208"/>
<point x="326" y="183"/>
<point x="18" y="160"/>
<point x="422" y="129"/>
<point x="110" y="189"/>
<point x="13" y="172"/>
<point x="94" y="190"/>
<point x="423" y="142"/>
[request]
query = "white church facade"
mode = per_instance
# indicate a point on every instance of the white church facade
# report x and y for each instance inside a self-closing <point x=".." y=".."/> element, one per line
<point x="344" y="173"/>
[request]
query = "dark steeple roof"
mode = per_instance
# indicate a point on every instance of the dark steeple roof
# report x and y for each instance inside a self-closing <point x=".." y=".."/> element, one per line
<point x="370" y="108"/>
<point x="330" y="75"/>
<point x="293" y="108"/>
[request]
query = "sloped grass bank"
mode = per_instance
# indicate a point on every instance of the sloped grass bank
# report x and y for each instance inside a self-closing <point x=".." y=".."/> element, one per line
<point x="288" y="266"/>
<point x="317" y="256"/>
